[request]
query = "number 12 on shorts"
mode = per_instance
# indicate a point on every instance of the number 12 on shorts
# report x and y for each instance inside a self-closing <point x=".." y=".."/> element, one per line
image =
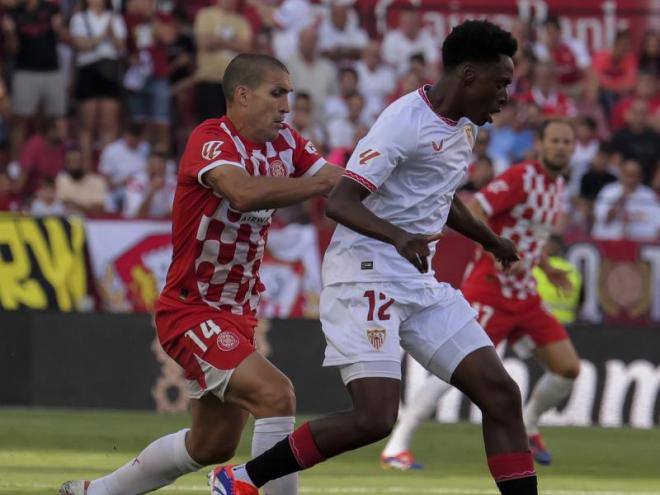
<point x="209" y="328"/>
<point x="385" y="303"/>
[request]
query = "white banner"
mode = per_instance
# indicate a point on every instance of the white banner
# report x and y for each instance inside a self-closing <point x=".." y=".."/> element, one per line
<point x="130" y="258"/>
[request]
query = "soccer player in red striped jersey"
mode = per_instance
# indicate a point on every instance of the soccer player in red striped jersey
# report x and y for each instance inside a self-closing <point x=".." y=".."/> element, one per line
<point x="234" y="172"/>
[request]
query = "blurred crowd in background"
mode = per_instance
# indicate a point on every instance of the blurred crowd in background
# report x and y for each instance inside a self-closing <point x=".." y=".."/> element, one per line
<point x="98" y="97"/>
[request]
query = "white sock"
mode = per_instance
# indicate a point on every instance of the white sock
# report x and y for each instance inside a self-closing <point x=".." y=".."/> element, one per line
<point x="418" y="409"/>
<point x="550" y="390"/>
<point x="267" y="432"/>
<point x="162" y="462"/>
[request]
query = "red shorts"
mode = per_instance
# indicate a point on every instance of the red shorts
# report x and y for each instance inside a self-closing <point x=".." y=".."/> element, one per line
<point x="207" y="344"/>
<point x="524" y="325"/>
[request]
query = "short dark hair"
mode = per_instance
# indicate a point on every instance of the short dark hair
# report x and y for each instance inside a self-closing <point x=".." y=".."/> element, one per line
<point x="477" y="41"/>
<point x="546" y="123"/>
<point x="248" y="69"/>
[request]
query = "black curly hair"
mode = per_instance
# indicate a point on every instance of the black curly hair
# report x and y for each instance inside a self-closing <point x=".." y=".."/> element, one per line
<point x="477" y="41"/>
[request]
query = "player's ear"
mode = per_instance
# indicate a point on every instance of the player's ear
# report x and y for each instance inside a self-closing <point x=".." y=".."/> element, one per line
<point x="241" y="95"/>
<point x="468" y="73"/>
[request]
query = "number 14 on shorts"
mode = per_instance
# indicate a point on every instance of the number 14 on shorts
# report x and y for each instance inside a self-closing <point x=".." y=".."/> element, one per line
<point x="208" y="328"/>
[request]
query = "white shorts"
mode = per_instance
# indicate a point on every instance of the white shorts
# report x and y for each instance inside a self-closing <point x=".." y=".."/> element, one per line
<point x="369" y="322"/>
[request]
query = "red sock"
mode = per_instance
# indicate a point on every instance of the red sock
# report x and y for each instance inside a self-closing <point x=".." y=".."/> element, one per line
<point x="505" y="467"/>
<point x="304" y="448"/>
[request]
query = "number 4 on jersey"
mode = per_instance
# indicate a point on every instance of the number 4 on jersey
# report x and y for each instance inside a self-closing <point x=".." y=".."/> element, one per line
<point x="209" y="328"/>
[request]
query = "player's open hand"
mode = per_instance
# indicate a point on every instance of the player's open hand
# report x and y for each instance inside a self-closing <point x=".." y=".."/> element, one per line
<point x="559" y="278"/>
<point x="504" y="251"/>
<point x="414" y="248"/>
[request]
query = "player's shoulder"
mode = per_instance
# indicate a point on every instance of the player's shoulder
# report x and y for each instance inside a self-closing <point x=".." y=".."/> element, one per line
<point x="402" y="116"/>
<point x="288" y="137"/>
<point x="209" y="128"/>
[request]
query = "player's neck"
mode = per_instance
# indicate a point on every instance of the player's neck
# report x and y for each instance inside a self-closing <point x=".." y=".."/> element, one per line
<point x="550" y="172"/>
<point x="444" y="99"/>
<point x="243" y="129"/>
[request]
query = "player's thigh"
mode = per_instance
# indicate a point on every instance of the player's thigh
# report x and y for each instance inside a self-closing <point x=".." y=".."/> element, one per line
<point x="216" y="429"/>
<point x="498" y="324"/>
<point x="482" y="378"/>
<point x="442" y="331"/>
<point x="559" y="357"/>
<point x="361" y="322"/>
<point x="256" y="385"/>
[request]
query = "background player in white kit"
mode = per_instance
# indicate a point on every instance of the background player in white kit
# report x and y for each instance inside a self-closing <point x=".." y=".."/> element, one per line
<point x="396" y="195"/>
<point x="524" y="203"/>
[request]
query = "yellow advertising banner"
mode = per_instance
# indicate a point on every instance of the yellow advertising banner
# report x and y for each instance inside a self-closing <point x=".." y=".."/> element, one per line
<point x="42" y="263"/>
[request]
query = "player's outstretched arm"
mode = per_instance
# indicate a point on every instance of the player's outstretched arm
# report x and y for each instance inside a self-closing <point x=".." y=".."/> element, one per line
<point x="248" y="193"/>
<point x="345" y="207"/>
<point x="463" y="221"/>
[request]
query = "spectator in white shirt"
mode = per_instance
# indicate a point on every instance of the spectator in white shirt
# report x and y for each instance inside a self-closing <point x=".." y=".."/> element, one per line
<point x="337" y="107"/>
<point x="301" y="119"/>
<point x="627" y="209"/>
<point x="408" y="39"/>
<point x="120" y="161"/>
<point x="310" y="73"/>
<point x="287" y="19"/>
<point x="586" y="147"/>
<point x="340" y="34"/>
<point x="151" y="193"/>
<point x="342" y="130"/>
<point x="45" y="203"/>
<point x="376" y="81"/>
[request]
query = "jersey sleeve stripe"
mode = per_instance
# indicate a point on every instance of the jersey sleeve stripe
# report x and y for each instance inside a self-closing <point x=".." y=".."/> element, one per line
<point x="484" y="203"/>
<point x="213" y="165"/>
<point x="360" y="180"/>
<point x="318" y="164"/>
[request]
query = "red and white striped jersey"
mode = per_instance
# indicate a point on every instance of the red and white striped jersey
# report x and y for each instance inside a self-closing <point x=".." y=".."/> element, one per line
<point x="523" y="204"/>
<point x="218" y="250"/>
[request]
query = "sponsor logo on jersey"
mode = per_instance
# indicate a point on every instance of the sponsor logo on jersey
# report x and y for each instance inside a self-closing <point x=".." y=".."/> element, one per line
<point x="367" y="155"/>
<point x="277" y="169"/>
<point x="376" y="337"/>
<point x="469" y="135"/>
<point x="438" y="147"/>
<point x="227" y="341"/>
<point x="211" y="149"/>
<point x="310" y="148"/>
<point x="367" y="265"/>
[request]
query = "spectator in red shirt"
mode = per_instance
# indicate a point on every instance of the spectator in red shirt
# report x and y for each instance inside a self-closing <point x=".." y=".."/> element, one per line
<point x="545" y="95"/>
<point x="150" y="32"/>
<point x="570" y="56"/>
<point x="616" y="70"/>
<point x="42" y="157"/>
<point x="646" y="89"/>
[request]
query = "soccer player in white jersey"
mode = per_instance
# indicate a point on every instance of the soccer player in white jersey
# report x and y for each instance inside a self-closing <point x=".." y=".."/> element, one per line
<point x="233" y="172"/>
<point x="523" y="203"/>
<point x="396" y="195"/>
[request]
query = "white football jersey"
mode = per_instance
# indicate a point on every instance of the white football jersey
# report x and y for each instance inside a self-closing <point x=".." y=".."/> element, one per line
<point x="412" y="160"/>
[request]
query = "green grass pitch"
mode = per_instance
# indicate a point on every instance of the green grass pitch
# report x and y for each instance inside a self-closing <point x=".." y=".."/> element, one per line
<point x="41" y="448"/>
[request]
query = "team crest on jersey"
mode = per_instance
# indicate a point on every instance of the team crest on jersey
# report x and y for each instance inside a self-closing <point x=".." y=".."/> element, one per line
<point x="227" y="341"/>
<point x="367" y="155"/>
<point x="469" y="134"/>
<point x="277" y="169"/>
<point x="376" y="337"/>
<point x="211" y="149"/>
<point x="498" y="186"/>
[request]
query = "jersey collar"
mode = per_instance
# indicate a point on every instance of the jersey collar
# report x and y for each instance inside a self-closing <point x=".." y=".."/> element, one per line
<point x="423" y="93"/>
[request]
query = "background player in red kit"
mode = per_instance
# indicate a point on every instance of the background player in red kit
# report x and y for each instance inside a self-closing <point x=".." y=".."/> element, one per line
<point x="234" y="172"/>
<point x="522" y="204"/>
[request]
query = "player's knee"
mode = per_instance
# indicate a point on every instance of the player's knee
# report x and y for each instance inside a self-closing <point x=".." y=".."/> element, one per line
<point x="376" y="423"/>
<point x="278" y="400"/>
<point x="504" y="402"/>
<point x="207" y="453"/>
<point x="571" y="370"/>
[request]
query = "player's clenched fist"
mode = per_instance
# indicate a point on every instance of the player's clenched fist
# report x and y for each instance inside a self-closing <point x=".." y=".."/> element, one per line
<point x="414" y="248"/>
<point x="504" y="251"/>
